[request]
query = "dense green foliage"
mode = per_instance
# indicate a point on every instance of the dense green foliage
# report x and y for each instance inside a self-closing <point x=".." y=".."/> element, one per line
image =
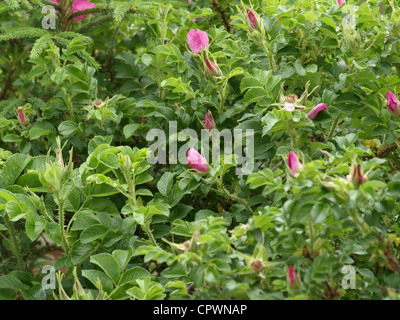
<point x="76" y="105"/>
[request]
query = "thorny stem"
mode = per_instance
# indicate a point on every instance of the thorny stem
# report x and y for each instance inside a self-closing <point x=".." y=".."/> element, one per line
<point x="271" y="60"/>
<point x="79" y="210"/>
<point x="233" y="197"/>
<point x="146" y="228"/>
<point x="361" y="224"/>
<point x="13" y="241"/>
<point x="61" y="223"/>
<point x="69" y="103"/>
<point x="333" y="128"/>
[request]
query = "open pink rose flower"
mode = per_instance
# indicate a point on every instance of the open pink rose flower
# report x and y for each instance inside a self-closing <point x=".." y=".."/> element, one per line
<point x="197" y="40"/>
<point x="392" y="102"/>
<point x="293" y="162"/>
<point x="196" y="160"/>
<point x="317" y="109"/>
<point x="80" y="5"/>
<point x="340" y="2"/>
<point x="208" y="122"/>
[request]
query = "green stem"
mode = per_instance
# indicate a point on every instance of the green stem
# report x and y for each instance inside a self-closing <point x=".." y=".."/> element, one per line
<point x="130" y="180"/>
<point x="222" y="99"/>
<point x="333" y="128"/>
<point x="79" y="210"/>
<point x="271" y="60"/>
<point x="13" y="241"/>
<point x="242" y="201"/>
<point x="364" y="228"/>
<point x="61" y="223"/>
<point x="311" y="227"/>
<point x="292" y="134"/>
<point x="146" y="228"/>
<point x="69" y="103"/>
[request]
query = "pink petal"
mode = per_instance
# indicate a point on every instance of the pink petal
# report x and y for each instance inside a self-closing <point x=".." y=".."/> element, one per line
<point x="293" y="162"/>
<point x="288" y="106"/>
<point x="252" y="18"/>
<point x="392" y="102"/>
<point x="196" y="160"/>
<point x="292" y="274"/>
<point x="21" y="115"/>
<point x="197" y="40"/>
<point x="212" y="66"/>
<point x="317" y="109"/>
<point x="80" y="5"/>
<point x="208" y="122"/>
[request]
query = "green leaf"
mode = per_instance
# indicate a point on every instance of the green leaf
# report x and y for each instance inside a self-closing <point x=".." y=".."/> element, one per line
<point x="67" y="128"/>
<point x="134" y="274"/>
<point x="130" y="129"/>
<point x="34" y="226"/>
<point x="53" y="231"/>
<point x="11" y="282"/>
<point x="80" y="252"/>
<point x="94" y="275"/>
<point x="36" y="133"/>
<point x="10" y="138"/>
<point x="122" y="257"/>
<point x="14" y="211"/>
<point x="97" y="141"/>
<point x="14" y="166"/>
<point x="264" y="222"/>
<point x="164" y="185"/>
<point x="93" y="233"/>
<point x="143" y="178"/>
<point x="108" y="264"/>
<point x="299" y="68"/>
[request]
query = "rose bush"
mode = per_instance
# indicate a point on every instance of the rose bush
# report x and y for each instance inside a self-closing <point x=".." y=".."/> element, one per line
<point x="313" y="85"/>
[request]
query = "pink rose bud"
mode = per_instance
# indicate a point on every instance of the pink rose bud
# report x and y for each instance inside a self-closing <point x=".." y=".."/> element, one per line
<point x="213" y="68"/>
<point x="196" y="160"/>
<point x="317" y="109"/>
<point x="293" y="162"/>
<point x="208" y="121"/>
<point x="293" y="277"/>
<point x="253" y="18"/>
<point x="291" y="31"/>
<point x="21" y="115"/>
<point x="392" y="102"/>
<point x="356" y="176"/>
<point x="288" y="106"/>
<point x="197" y="40"/>
<point x="339" y="2"/>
